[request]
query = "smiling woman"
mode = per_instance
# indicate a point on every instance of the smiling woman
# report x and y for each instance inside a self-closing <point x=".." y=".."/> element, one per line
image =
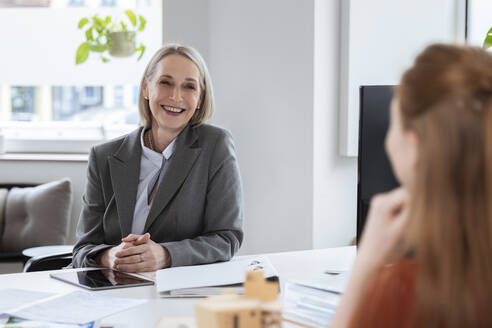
<point x="169" y="193"/>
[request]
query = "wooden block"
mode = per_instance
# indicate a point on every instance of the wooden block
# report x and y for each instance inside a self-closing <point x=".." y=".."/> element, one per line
<point x="224" y="311"/>
<point x="257" y="287"/>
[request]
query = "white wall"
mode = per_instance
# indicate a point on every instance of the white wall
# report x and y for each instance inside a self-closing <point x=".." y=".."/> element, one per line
<point x="187" y="22"/>
<point x="335" y="177"/>
<point x="380" y="39"/>
<point x="261" y="61"/>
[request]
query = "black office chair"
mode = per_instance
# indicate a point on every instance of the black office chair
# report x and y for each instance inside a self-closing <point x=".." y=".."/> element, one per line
<point x="54" y="261"/>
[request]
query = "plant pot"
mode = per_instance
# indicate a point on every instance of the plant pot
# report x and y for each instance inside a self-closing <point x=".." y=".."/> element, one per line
<point x="121" y="44"/>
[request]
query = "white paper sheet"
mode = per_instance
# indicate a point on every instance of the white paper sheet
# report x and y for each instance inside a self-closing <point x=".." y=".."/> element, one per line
<point x="216" y="274"/>
<point x="75" y="307"/>
<point x="328" y="282"/>
<point x="3" y="319"/>
<point x="23" y="323"/>
<point x="13" y="298"/>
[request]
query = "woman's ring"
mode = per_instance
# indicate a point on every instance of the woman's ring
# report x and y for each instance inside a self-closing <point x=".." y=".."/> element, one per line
<point x="141" y="257"/>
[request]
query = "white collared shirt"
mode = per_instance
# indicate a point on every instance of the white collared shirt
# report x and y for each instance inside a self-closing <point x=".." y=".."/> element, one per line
<point x="150" y="164"/>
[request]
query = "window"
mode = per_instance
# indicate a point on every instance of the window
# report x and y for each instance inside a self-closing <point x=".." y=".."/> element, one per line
<point x="22" y="100"/>
<point x="45" y="96"/>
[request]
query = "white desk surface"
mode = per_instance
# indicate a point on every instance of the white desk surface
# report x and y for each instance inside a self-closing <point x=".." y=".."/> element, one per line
<point x="43" y="250"/>
<point x="288" y="264"/>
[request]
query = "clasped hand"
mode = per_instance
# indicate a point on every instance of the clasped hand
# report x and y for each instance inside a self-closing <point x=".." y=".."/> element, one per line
<point x="136" y="253"/>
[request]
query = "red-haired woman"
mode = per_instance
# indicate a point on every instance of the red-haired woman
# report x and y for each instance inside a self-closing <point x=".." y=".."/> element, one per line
<point x="425" y="258"/>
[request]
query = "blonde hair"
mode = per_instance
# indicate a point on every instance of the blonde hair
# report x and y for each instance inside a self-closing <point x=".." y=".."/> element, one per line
<point x="207" y="97"/>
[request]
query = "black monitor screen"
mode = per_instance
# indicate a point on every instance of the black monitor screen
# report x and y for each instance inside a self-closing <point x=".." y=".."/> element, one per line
<point x="374" y="169"/>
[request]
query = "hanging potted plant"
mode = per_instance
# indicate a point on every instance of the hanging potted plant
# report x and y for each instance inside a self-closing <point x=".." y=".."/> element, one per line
<point x="104" y="35"/>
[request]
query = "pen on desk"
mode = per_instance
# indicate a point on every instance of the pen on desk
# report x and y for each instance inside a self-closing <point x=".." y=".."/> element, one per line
<point x="334" y="272"/>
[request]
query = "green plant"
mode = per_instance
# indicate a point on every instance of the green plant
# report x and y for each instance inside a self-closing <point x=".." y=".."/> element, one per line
<point x="98" y="33"/>
<point x="487" y="43"/>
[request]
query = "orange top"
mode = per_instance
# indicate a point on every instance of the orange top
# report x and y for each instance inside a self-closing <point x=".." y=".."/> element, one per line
<point x="390" y="300"/>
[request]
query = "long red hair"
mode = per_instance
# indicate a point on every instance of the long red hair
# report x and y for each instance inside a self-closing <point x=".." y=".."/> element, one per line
<point x="446" y="99"/>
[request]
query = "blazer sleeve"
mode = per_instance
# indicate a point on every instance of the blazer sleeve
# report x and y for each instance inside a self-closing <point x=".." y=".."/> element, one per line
<point x="223" y="217"/>
<point x="90" y="232"/>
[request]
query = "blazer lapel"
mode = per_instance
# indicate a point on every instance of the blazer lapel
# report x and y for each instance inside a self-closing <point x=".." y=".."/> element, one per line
<point x="124" y="167"/>
<point x="180" y="164"/>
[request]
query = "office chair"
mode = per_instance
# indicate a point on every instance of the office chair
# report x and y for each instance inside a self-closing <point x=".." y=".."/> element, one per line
<point x="52" y="261"/>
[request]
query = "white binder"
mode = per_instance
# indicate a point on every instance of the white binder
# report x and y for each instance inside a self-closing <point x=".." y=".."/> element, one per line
<point x="211" y="279"/>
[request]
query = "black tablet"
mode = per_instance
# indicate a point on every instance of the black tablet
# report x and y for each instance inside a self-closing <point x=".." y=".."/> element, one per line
<point x="100" y="279"/>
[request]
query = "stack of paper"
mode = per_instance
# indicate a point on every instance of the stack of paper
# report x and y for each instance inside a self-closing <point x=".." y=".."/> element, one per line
<point x="12" y="322"/>
<point x="77" y="307"/>
<point x="313" y="301"/>
<point x="210" y="279"/>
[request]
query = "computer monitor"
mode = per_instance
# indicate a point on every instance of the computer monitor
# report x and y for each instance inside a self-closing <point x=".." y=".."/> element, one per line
<point x="374" y="170"/>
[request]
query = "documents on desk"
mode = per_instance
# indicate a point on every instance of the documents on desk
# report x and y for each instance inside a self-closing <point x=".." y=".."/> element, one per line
<point x="78" y="307"/>
<point x="313" y="301"/>
<point x="210" y="279"/>
<point x="13" y="322"/>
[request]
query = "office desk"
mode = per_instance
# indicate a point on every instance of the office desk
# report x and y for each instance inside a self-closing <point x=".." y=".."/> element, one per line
<point x="288" y="264"/>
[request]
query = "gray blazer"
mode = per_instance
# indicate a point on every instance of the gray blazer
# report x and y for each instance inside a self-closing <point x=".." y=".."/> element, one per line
<point x="197" y="208"/>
